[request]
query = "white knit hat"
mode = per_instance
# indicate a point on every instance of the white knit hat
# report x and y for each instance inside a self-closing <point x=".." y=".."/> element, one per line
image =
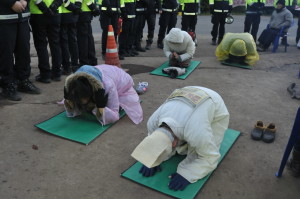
<point x="154" y="149"/>
<point x="175" y="36"/>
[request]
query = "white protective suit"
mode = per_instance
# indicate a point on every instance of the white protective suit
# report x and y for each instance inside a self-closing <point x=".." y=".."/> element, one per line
<point x="199" y="126"/>
<point x="180" y="42"/>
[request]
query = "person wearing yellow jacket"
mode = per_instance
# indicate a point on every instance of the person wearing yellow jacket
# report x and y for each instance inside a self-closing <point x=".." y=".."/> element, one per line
<point x="219" y="10"/>
<point x="194" y="128"/>
<point x="238" y="48"/>
<point x="189" y="10"/>
<point x="85" y="38"/>
<point x="68" y="36"/>
<point x="45" y="22"/>
<point x="254" y="9"/>
<point x="109" y="15"/>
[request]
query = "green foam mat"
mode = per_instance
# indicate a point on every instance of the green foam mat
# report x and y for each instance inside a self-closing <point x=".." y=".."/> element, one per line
<point x="83" y="128"/>
<point x="237" y="65"/>
<point x="192" y="66"/>
<point x="160" y="180"/>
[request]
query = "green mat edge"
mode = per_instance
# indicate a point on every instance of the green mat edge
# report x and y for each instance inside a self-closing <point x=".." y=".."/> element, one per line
<point x="237" y="65"/>
<point x="43" y="130"/>
<point x="179" y="77"/>
<point x="208" y="176"/>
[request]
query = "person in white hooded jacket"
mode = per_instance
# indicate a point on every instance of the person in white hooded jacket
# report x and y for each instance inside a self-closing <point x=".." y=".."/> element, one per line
<point x="191" y="122"/>
<point x="179" y="47"/>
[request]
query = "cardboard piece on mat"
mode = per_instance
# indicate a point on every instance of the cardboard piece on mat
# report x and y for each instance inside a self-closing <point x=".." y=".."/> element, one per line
<point x="160" y="180"/>
<point x="83" y="128"/>
<point x="192" y="66"/>
<point x="237" y="65"/>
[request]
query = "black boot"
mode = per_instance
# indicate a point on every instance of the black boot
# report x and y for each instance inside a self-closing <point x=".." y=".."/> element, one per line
<point x="148" y="46"/>
<point x="160" y="45"/>
<point x="27" y="86"/>
<point x="139" y="48"/>
<point x="294" y="163"/>
<point x="10" y="92"/>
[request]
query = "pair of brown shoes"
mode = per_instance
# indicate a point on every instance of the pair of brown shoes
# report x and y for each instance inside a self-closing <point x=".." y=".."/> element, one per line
<point x="265" y="133"/>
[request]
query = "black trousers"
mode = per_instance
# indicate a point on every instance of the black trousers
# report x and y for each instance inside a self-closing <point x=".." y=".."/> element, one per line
<point x="298" y="30"/>
<point x="42" y="34"/>
<point x="69" y="46"/>
<point x="167" y="21"/>
<point x="218" y="30"/>
<point x="254" y="21"/>
<point x="267" y="37"/>
<point x="106" y="20"/>
<point x="125" y="40"/>
<point x="86" y="45"/>
<point x="138" y="29"/>
<point x="150" y="18"/>
<point x="189" y="22"/>
<point x="14" y="52"/>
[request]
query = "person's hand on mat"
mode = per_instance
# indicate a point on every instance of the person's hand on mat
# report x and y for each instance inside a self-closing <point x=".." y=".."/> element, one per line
<point x="178" y="182"/>
<point x="147" y="172"/>
<point x="101" y="98"/>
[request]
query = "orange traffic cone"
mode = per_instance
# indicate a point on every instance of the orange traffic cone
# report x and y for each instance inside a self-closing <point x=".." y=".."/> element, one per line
<point x="111" y="55"/>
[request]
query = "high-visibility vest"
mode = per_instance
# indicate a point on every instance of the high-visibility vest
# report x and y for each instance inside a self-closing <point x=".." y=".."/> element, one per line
<point x="248" y="2"/>
<point x="189" y="7"/>
<point x="65" y="10"/>
<point x="115" y="5"/>
<point x="35" y="10"/>
<point x="221" y="6"/>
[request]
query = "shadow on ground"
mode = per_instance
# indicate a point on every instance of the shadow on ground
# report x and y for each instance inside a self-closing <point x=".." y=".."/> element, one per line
<point x="134" y="69"/>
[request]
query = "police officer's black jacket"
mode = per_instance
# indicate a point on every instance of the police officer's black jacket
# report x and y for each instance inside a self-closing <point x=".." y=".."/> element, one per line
<point x="169" y="4"/>
<point x="10" y="15"/>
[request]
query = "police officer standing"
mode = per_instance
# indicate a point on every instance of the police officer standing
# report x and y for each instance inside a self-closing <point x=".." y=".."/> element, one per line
<point x="109" y="15"/>
<point x="68" y="36"/>
<point x="219" y="10"/>
<point x="141" y="9"/>
<point x="189" y="14"/>
<point x="85" y="38"/>
<point x="150" y="18"/>
<point x="254" y="9"/>
<point x="45" y="22"/>
<point x="15" y="49"/>
<point x="167" y="19"/>
<point x="125" y="39"/>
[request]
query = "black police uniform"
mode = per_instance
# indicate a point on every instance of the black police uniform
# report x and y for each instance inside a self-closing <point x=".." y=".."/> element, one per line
<point x="167" y="19"/>
<point x="14" y="44"/>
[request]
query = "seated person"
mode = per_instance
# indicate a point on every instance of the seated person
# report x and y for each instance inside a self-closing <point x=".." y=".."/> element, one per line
<point x="179" y="48"/>
<point x="237" y="48"/>
<point x="102" y="90"/>
<point x="191" y="122"/>
<point x="281" y="18"/>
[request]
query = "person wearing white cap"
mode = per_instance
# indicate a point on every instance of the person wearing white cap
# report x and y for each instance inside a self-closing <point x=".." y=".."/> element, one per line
<point x="191" y="122"/>
<point x="179" y="47"/>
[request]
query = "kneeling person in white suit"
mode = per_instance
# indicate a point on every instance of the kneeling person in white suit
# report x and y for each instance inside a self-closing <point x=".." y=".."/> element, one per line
<point x="191" y="122"/>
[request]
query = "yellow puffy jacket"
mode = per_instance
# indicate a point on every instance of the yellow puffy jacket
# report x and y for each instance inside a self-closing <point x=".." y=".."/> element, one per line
<point x="246" y="48"/>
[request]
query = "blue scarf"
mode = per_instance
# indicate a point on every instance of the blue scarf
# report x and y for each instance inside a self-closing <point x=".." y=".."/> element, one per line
<point x="91" y="70"/>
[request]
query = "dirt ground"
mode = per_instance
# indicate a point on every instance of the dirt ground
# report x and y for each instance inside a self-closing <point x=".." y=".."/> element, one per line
<point x="61" y="169"/>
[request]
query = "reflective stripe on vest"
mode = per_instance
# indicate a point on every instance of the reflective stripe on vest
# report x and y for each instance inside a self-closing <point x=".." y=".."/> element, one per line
<point x="131" y="16"/>
<point x="105" y="8"/>
<point x="189" y="13"/>
<point x="140" y="9"/>
<point x="169" y="10"/>
<point x="13" y="16"/>
<point x="220" y="10"/>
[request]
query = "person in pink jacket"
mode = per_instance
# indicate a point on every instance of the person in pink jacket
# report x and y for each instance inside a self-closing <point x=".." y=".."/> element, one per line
<point x="102" y="90"/>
